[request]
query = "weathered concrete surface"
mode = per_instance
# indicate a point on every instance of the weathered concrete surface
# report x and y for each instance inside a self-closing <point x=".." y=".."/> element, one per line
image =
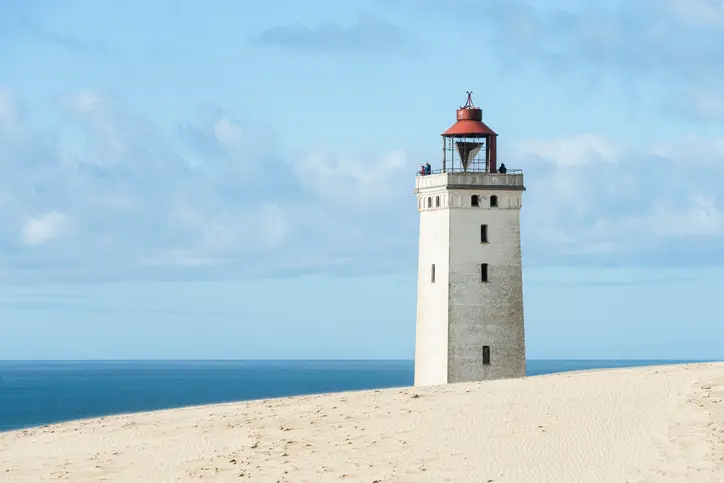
<point x="457" y="314"/>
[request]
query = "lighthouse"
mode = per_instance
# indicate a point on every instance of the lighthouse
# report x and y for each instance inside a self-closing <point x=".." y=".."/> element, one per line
<point x="469" y="281"/>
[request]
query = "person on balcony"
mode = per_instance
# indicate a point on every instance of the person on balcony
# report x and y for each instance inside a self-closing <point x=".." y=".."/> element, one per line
<point x="422" y="170"/>
<point x="428" y="169"/>
<point x="502" y="169"/>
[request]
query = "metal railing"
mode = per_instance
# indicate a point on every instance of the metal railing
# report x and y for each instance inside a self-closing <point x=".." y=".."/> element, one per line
<point x="460" y="170"/>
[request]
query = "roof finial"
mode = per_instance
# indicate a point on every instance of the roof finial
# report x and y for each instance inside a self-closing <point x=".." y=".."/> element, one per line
<point x="469" y="104"/>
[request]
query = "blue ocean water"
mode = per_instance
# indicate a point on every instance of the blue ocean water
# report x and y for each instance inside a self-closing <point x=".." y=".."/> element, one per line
<point x="37" y="393"/>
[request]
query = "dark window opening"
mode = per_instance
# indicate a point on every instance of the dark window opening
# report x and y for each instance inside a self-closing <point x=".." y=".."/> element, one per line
<point x="483" y="272"/>
<point x="483" y="233"/>
<point x="486" y="355"/>
<point x="429" y="202"/>
<point x="494" y="201"/>
<point x="474" y="200"/>
<point x="437" y="201"/>
<point x="432" y="274"/>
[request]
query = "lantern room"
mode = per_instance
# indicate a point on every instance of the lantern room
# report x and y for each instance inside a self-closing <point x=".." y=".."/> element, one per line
<point x="469" y="145"/>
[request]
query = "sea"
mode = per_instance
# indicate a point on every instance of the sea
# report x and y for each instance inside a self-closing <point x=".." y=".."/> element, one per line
<point x="36" y="393"/>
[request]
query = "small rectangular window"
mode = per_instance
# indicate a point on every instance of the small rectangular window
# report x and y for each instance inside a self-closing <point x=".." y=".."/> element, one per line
<point x="483" y="272"/>
<point x="483" y="233"/>
<point x="486" y="355"/>
<point x="432" y="274"/>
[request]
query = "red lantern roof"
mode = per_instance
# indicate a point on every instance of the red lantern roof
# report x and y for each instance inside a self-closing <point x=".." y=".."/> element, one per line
<point x="470" y="122"/>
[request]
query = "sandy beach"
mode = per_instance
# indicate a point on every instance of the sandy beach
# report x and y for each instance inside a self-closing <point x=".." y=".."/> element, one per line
<point x="650" y="424"/>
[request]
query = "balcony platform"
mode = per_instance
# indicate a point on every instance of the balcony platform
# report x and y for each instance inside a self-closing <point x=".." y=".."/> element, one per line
<point x="512" y="180"/>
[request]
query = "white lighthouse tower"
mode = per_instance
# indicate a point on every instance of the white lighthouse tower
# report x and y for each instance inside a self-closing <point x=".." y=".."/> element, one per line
<point x="469" y="281"/>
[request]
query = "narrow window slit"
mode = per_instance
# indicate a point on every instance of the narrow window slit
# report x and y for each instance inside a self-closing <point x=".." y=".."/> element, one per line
<point x="486" y="355"/>
<point x="483" y="272"/>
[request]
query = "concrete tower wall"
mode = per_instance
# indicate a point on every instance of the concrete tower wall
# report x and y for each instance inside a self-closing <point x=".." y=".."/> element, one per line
<point x="460" y="313"/>
<point x="485" y="313"/>
<point x="431" y="336"/>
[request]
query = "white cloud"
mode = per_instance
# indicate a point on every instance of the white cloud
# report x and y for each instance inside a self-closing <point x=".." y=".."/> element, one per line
<point x="275" y="225"/>
<point x="228" y="133"/>
<point x="667" y="47"/>
<point x="364" y="182"/>
<point x="697" y="12"/>
<point x="85" y="101"/>
<point x="649" y="201"/>
<point x="701" y="102"/>
<point x="161" y="215"/>
<point x="579" y="150"/>
<point x="9" y="115"/>
<point x="43" y="228"/>
<point x="365" y="34"/>
<point x="181" y="258"/>
<point x="700" y="216"/>
<point x="223" y="207"/>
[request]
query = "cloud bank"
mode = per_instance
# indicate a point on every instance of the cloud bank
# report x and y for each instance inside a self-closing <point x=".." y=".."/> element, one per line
<point x="676" y="44"/>
<point x="115" y="197"/>
<point x="591" y="201"/>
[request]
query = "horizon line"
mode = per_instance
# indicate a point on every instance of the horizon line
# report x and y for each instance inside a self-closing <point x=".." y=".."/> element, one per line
<point x="345" y="360"/>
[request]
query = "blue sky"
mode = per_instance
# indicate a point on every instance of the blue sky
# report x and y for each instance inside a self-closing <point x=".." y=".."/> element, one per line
<point x="234" y="180"/>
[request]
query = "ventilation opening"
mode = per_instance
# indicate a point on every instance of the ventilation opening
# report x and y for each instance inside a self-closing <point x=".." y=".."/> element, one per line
<point x="483" y="272"/>
<point x="494" y="201"/>
<point x="486" y="355"/>
<point x="429" y="202"/>
<point x="437" y="201"/>
<point x="432" y="274"/>
<point x="483" y="233"/>
<point x="474" y="200"/>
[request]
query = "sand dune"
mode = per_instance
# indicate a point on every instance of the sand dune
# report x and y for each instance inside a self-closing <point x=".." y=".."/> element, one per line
<point x="650" y="424"/>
